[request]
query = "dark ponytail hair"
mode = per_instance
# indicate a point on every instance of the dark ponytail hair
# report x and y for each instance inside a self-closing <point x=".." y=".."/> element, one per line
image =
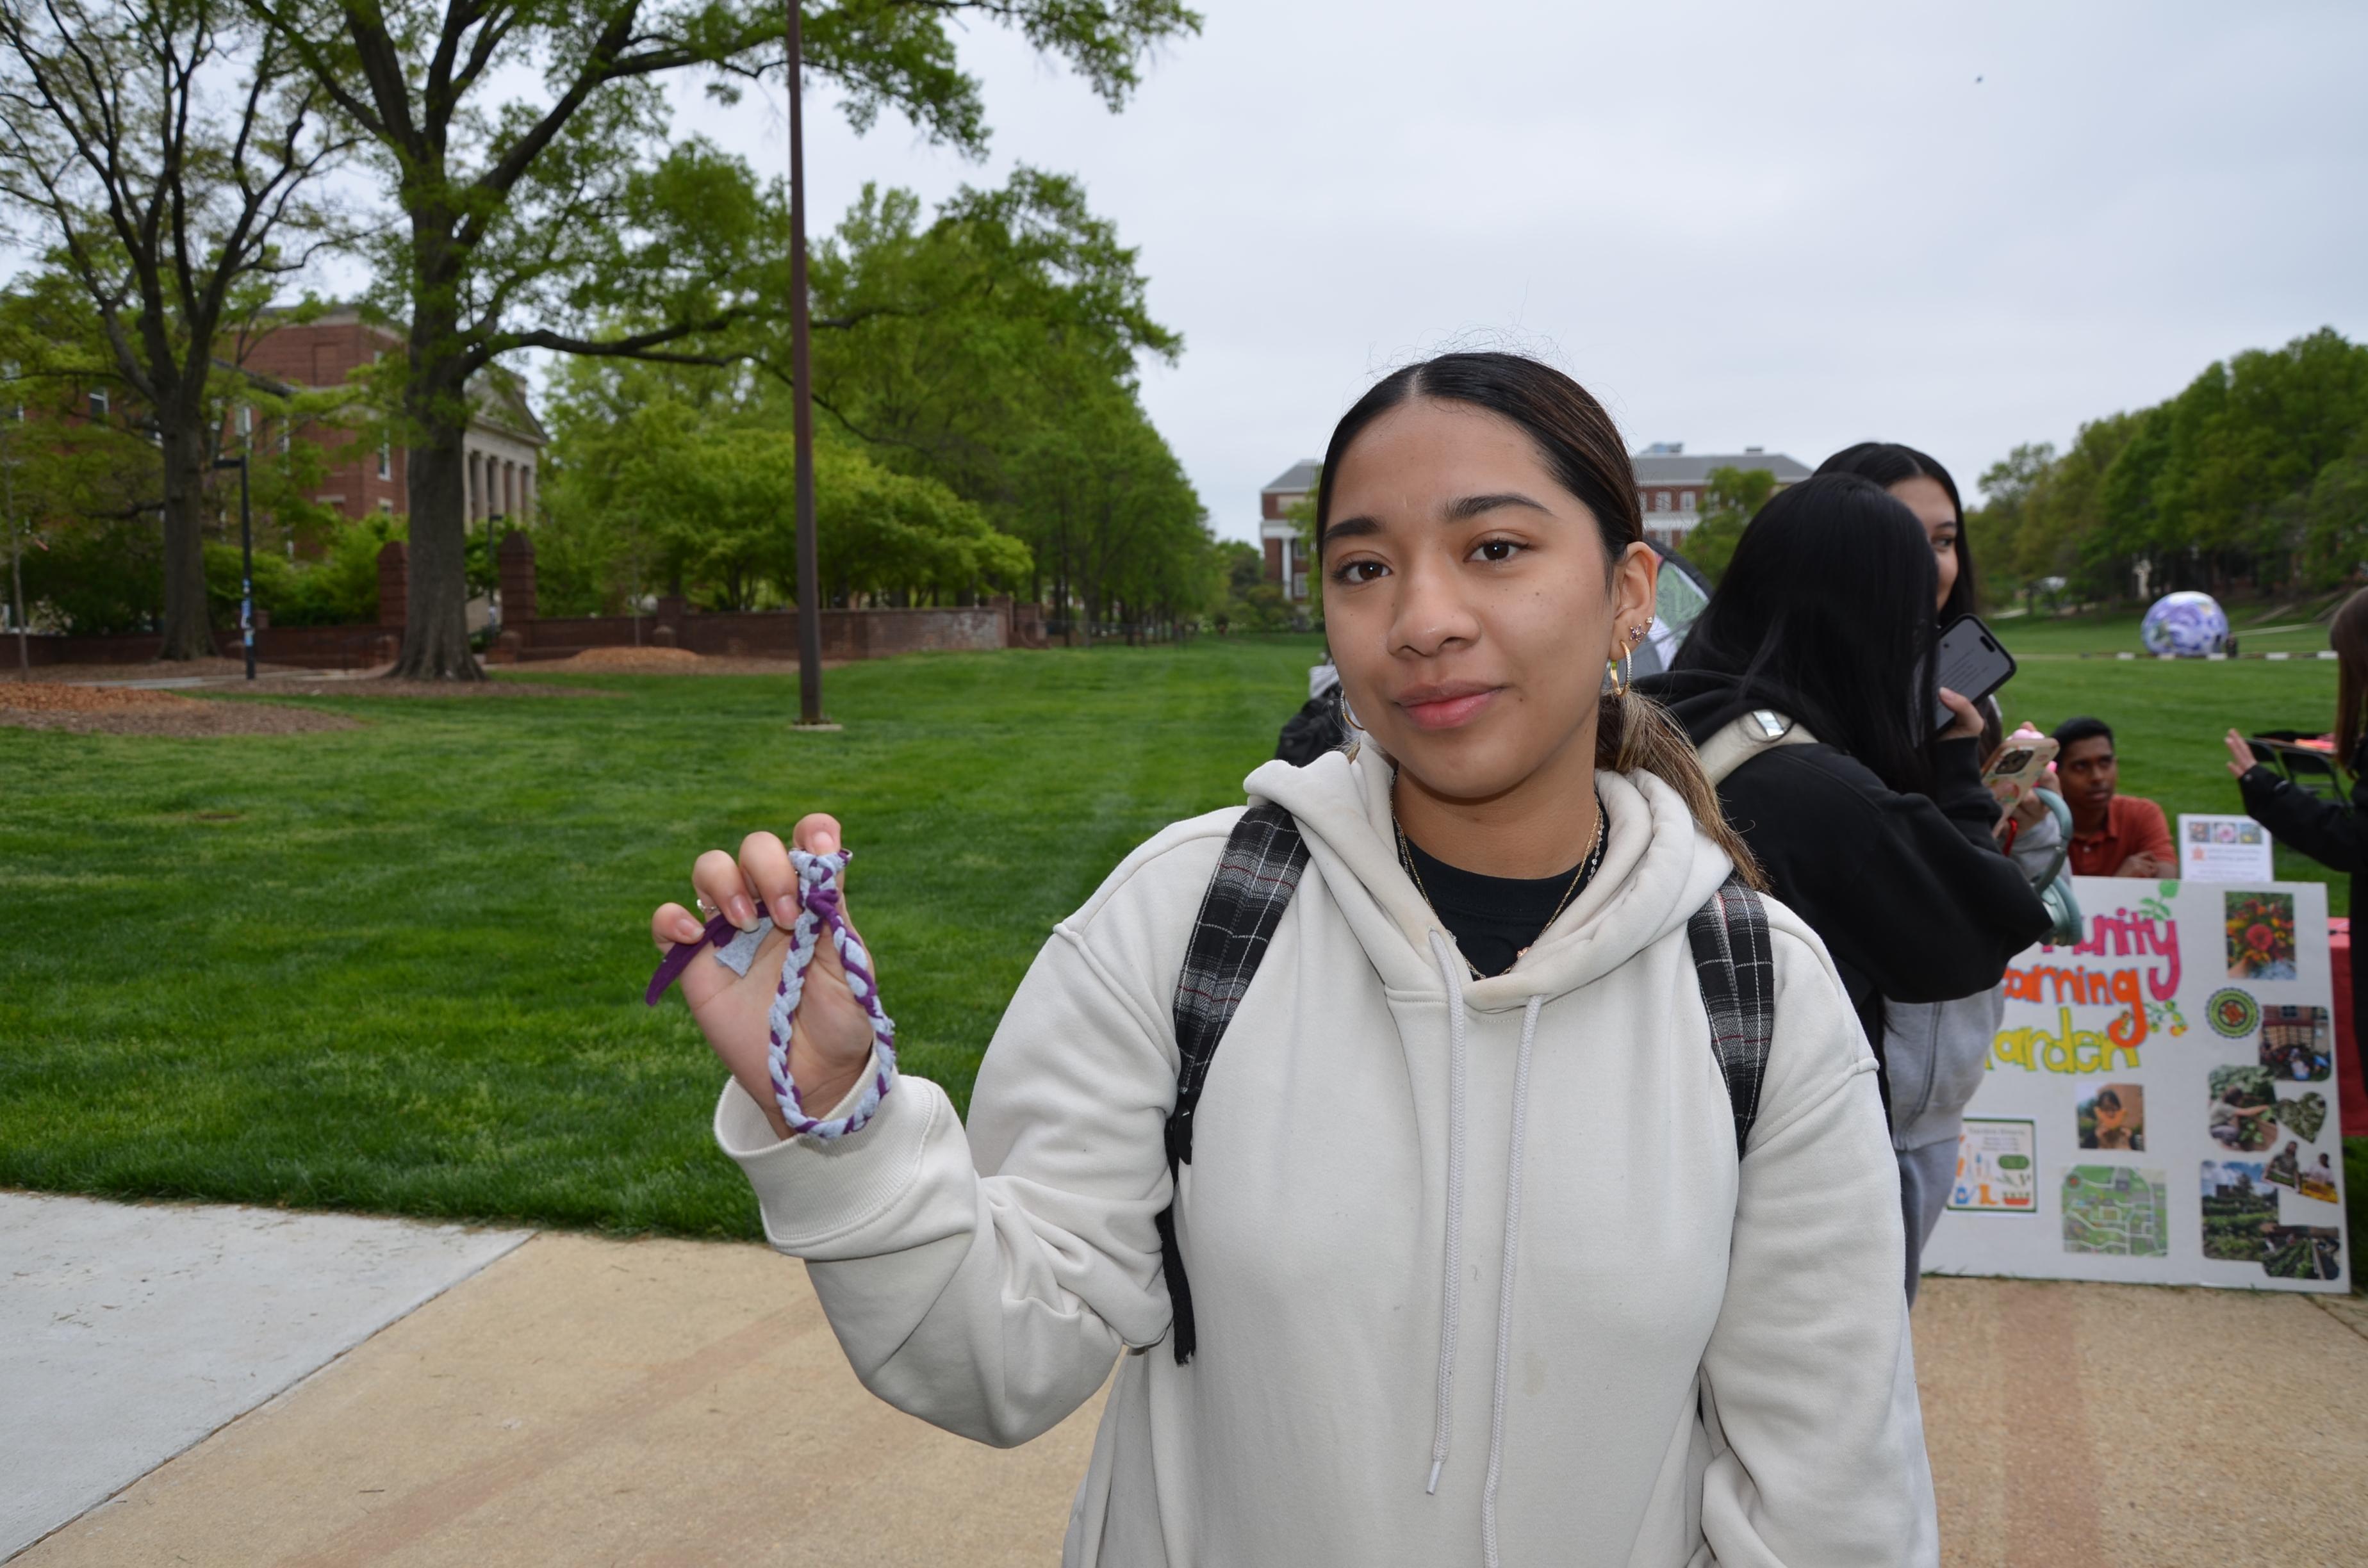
<point x="1889" y="463"/>
<point x="1581" y="447"/>
<point x="1824" y="615"/>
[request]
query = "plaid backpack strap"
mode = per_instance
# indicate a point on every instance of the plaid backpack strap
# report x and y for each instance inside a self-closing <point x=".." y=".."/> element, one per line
<point x="1246" y="895"/>
<point x="1736" y="969"/>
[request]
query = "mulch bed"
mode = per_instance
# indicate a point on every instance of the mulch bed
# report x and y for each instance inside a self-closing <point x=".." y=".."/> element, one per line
<point x="156" y="669"/>
<point x="116" y="710"/>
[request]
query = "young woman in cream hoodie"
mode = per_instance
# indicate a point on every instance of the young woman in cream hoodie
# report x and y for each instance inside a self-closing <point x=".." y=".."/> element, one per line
<point x="1478" y="1276"/>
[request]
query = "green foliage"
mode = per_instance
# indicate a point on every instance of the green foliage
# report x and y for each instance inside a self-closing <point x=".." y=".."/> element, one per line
<point x="338" y="589"/>
<point x="702" y="494"/>
<point x="1730" y="497"/>
<point x="2258" y="470"/>
<point x="544" y="204"/>
<point x="986" y="358"/>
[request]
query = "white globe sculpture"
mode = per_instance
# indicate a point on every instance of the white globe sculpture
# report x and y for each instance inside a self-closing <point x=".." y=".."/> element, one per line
<point x="2186" y="625"/>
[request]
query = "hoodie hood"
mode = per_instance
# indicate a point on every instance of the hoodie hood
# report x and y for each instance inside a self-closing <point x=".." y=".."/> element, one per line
<point x="1657" y="870"/>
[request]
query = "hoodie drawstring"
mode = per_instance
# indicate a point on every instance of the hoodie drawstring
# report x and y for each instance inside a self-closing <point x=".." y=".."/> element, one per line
<point x="1451" y="1283"/>
<point x="1450" y="967"/>
<point x="1505" y="1289"/>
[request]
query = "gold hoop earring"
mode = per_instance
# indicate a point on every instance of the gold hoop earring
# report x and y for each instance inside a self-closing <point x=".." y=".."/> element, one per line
<point x="1619" y="674"/>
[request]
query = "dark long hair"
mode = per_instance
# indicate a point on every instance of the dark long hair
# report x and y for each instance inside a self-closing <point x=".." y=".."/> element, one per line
<point x="1581" y="447"/>
<point x="1888" y="463"/>
<point x="1824" y="615"/>
<point x="2348" y="635"/>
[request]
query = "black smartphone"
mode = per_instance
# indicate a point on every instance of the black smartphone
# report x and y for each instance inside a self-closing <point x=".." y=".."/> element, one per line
<point x="1972" y="663"/>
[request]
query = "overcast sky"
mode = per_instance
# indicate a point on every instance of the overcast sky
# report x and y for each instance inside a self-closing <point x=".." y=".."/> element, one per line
<point x="1960" y="226"/>
<point x="1796" y="226"/>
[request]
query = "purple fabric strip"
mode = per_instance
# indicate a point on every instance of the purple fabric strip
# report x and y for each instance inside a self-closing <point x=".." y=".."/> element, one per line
<point x="719" y="931"/>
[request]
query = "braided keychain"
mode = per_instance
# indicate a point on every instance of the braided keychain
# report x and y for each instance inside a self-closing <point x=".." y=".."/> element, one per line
<point x="821" y="907"/>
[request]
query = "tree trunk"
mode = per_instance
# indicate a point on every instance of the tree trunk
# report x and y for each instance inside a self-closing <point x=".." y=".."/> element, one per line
<point x="189" y="626"/>
<point x="436" y="406"/>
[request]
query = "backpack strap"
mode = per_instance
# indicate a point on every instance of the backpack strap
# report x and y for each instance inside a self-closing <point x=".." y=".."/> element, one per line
<point x="1750" y="733"/>
<point x="1246" y="895"/>
<point x="1735" y="966"/>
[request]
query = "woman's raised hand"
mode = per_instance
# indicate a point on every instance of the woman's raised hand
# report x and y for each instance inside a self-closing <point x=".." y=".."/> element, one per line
<point x="830" y="1039"/>
<point x="2240" y="756"/>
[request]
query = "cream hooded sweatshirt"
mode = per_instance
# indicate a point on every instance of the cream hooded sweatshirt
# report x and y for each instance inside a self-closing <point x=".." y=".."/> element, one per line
<point x="1476" y="1275"/>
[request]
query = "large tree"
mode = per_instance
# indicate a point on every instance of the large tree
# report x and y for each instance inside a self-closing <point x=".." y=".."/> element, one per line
<point x="535" y="220"/>
<point x="166" y="154"/>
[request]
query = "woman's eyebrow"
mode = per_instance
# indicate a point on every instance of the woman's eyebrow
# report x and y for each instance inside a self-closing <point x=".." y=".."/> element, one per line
<point x="1351" y="528"/>
<point x="1474" y="506"/>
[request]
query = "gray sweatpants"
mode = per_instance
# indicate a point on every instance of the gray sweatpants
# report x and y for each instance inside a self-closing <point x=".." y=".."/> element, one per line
<point x="1925" y="1175"/>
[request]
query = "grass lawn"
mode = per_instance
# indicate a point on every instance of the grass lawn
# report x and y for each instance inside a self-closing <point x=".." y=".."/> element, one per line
<point x="399" y="968"/>
<point x="2288" y="627"/>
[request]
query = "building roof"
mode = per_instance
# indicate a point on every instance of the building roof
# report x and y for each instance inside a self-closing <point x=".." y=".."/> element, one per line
<point x="1297" y="480"/>
<point x="498" y="397"/>
<point x="1694" y="468"/>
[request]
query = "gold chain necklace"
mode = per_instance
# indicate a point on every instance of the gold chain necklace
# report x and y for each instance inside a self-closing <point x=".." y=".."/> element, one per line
<point x="1578" y="879"/>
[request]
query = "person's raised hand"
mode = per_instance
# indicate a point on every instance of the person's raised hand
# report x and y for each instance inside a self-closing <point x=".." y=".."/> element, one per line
<point x="830" y="1037"/>
<point x="1967" y="724"/>
<point x="2241" y="759"/>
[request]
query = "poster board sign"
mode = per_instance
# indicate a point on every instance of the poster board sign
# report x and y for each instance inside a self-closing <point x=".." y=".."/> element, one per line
<point x="2223" y="849"/>
<point x="2161" y="1103"/>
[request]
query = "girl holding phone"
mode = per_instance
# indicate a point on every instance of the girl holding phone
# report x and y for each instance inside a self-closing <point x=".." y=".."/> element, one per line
<point x="1877" y="833"/>
<point x="1936" y="1051"/>
<point x="1478" y="1272"/>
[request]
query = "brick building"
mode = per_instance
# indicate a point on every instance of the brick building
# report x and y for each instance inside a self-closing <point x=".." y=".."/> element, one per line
<point x="504" y="444"/>
<point x="1669" y="483"/>
<point x="1286" y="558"/>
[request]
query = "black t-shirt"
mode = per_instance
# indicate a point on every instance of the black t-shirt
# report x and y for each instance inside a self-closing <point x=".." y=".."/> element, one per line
<point x="1491" y="918"/>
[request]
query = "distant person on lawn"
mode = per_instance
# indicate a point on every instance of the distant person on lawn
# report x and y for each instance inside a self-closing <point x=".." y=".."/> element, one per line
<point x="2333" y="832"/>
<point x="2113" y="835"/>
<point x="1478" y="1273"/>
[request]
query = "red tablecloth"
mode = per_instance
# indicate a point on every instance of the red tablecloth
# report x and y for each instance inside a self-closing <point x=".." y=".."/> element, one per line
<point x="2346" y="1048"/>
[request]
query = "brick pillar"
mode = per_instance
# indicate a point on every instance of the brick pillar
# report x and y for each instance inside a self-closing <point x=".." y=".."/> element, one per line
<point x="393" y="582"/>
<point x="514" y="561"/>
<point x="671" y="609"/>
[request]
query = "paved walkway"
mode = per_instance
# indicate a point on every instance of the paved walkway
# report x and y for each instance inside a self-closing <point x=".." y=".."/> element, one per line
<point x="651" y="1403"/>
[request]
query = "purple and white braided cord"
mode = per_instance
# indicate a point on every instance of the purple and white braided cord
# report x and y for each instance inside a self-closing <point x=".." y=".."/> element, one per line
<point x="820" y="907"/>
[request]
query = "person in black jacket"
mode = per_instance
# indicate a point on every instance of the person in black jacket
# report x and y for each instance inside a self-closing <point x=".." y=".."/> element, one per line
<point x="2334" y="835"/>
<point x="1879" y="833"/>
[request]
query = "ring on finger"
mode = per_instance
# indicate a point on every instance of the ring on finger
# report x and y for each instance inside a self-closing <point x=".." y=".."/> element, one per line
<point x="705" y="910"/>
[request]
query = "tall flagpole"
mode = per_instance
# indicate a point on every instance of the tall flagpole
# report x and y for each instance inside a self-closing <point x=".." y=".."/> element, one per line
<point x="802" y="397"/>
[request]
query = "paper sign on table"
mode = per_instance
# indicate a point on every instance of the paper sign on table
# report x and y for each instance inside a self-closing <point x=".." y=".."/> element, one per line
<point x="2223" y="849"/>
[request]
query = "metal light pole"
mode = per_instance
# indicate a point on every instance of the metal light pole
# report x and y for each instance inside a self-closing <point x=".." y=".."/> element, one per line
<point x="246" y="561"/>
<point x="802" y="398"/>
<point x="17" y="566"/>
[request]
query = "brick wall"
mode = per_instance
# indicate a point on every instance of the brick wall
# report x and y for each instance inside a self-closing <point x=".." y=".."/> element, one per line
<point x="322" y="353"/>
<point x="307" y="647"/>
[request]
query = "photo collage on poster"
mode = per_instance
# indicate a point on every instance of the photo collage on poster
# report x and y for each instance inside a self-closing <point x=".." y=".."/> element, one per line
<point x="2159" y="1104"/>
<point x="2271" y="1135"/>
<point x="2124" y="1210"/>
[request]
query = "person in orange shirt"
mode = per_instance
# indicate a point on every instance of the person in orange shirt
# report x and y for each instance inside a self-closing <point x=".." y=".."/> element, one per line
<point x="2113" y="835"/>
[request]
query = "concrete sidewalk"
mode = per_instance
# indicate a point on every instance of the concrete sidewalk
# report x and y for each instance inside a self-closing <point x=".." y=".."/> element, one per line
<point x="666" y="1403"/>
<point x="129" y="1332"/>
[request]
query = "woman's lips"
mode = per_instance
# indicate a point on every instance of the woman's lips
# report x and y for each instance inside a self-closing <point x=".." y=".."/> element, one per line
<point x="1445" y="707"/>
